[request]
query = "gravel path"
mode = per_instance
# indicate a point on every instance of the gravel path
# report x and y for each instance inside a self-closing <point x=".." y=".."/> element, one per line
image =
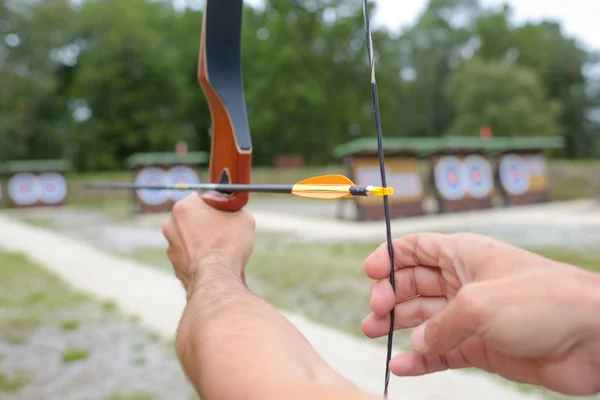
<point x="158" y="300"/>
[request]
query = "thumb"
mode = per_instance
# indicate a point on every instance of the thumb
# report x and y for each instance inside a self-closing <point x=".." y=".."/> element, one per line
<point x="458" y="321"/>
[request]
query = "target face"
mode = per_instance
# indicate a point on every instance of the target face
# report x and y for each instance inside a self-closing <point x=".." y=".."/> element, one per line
<point x="449" y="178"/>
<point x="182" y="175"/>
<point x="514" y="175"/>
<point x="153" y="177"/>
<point x="369" y="176"/>
<point x="53" y="188"/>
<point x="406" y="184"/>
<point x="536" y="165"/>
<point x="479" y="175"/>
<point x="23" y="189"/>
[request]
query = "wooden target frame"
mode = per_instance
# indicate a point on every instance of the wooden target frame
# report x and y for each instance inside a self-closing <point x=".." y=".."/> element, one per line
<point x="158" y="169"/>
<point x="402" y="173"/>
<point x="462" y="180"/>
<point x="522" y="177"/>
<point x="35" y="183"/>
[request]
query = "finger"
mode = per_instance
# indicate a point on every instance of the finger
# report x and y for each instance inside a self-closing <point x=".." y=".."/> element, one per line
<point x="382" y="298"/>
<point x="462" y="317"/>
<point x="169" y="230"/>
<point x="407" y="314"/>
<point x="415" y="364"/>
<point x="425" y="249"/>
<point x="410" y="282"/>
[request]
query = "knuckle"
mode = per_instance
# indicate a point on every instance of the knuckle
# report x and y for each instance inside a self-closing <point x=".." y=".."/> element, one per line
<point x="250" y="220"/>
<point x="180" y="208"/>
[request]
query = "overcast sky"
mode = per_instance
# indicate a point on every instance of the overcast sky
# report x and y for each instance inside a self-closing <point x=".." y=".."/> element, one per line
<point x="579" y="18"/>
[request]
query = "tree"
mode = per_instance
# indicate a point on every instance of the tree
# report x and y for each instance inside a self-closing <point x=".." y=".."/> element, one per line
<point x="558" y="60"/>
<point x="31" y="106"/>
<point x="507" y="97"/>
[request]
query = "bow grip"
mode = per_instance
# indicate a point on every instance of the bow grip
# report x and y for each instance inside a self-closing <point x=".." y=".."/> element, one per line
<point x="220" y="76"/>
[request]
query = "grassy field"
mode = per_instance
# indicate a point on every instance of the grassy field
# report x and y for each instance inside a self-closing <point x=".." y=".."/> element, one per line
<point x="58" y="343"/>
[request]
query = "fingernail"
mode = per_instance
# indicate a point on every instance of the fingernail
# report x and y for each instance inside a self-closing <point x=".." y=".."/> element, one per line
<point x="417" y="339"/>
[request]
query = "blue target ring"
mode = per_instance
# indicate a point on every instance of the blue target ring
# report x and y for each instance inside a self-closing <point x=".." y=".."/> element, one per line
<point x="478" y="174"/>
<point x="182" y="175"/>
<point x="449" y="178"/>
<point x="152" y="177"/>
<point x="514" y="175"/>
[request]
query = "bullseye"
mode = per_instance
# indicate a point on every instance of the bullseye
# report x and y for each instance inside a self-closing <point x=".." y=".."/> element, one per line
<point x="182" y="175"/>
<point x="514" y="175"/>
<point x="152" y="177"/>
<point x="53" y="188"/>
<point x="23" y="189"/>
<point x="448" y="178"/>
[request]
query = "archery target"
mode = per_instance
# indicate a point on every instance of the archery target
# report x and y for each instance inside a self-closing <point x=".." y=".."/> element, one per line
<point x="406" y="184"/>
<point x="537" y="165"/>
<point x="182" y="175"/>
<point x="479" y="175"/>
<point x="514" y="175"/>
<point x="23" y="189"/>
<point x="369" y="176"/>
<point x="53" y="188"/>
<point x="154" y="177"/>
<point x="449" y="178"/>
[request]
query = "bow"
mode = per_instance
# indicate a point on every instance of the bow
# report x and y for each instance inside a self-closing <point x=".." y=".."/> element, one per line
<point x="220" y="75"/>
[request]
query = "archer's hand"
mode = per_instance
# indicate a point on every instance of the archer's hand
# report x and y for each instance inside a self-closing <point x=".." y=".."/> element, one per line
<point x="204" y="241"/>
<point x="479" y="302"/>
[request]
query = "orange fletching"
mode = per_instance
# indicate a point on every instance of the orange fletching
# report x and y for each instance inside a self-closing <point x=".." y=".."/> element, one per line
<point x="325" y="187"/>
<point x="327" y="180"/>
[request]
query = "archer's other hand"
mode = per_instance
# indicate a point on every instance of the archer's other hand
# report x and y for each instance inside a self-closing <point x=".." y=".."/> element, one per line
<point x="479" y="302"/>
<point x="204" y="241"/>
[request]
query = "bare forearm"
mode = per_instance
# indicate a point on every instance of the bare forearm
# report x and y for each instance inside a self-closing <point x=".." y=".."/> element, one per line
<point x="235" y="345"/>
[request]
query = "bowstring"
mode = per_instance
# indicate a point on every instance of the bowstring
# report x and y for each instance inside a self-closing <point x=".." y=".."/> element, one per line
<point x="386" y="205"/>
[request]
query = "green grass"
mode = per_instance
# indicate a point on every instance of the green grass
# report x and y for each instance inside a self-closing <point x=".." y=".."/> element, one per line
<point x="27" y="295"/>
<point x="574" y="179"/>
<point x="70" y="325"/>
<point x="13" y="383"/>
<point x="587" y="259"/>
<point x="131" y="396"/>
<point x="73" y="355"/>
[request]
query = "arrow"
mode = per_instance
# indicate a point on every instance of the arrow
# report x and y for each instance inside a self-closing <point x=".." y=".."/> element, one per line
<point x="326" y="187"/>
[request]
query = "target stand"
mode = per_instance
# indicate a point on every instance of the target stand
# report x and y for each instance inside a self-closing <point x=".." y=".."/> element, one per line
<point x="461" y="175"/>
<point x="403" y="173"/>
<point x="522" y="170"/>
<point x="523" y="178"/>
<point x="163" y="169"/>
<point x="35" y="183"/>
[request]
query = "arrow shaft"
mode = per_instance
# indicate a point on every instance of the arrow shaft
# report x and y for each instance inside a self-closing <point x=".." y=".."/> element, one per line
<point x="353" y="190"/>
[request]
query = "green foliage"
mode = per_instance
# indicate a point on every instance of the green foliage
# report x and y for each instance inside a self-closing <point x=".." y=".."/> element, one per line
<point x="512" y="101"/>
<point x="118" y="77"/>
